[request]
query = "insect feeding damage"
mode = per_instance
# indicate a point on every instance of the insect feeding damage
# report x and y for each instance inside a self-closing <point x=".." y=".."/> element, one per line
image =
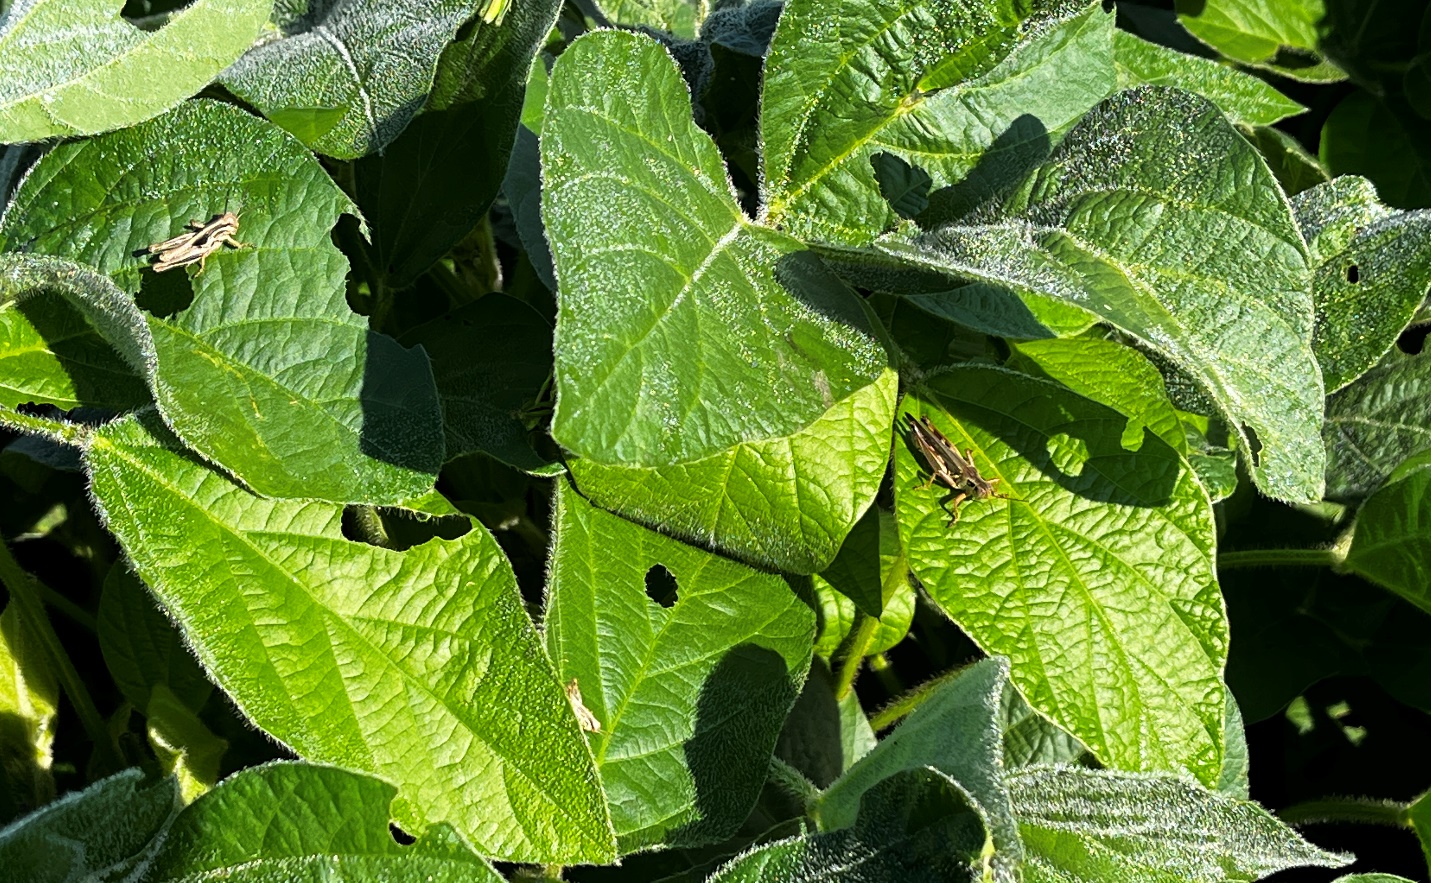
<point x="951" y="469"/>
<point x="195" y="246"/>
<point x="584" y="718"/>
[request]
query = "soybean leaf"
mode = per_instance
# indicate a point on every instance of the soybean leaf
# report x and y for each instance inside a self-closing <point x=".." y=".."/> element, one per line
<point x="268" y="373"/>
<point x="346" y="76"/>
<point x="1381" y="138"/>
<point x="690" y="689"/>
<point x="1376" y="423"/>
<point x="294" y="820"/>
<point x="1295" y="168"/>
<point x="945" y="89"/>
<point x="1281" y="36"/>
<point x="94" y="834"/>
<point x="1113" y="375"/>
<point x="183" y="745"/>
<point x="1419" y="815"/>
<point x="60" y="326"/>
<point x="419" y="666"/>
<point x="1095" y="576"/>
<point x="823" y="736"/>
<point x="712" y="377"/>
<point x="1145" y="216"/>
<point x="1030" y="739"/>
<point x="870" y="576"/>
<point x="1242" y="97"/>
<point x="1371" y="267"/>
<point x="955" y="731"/>
<point x="1372" y="878"/>
<point x="486" y="390"/>
<point x="1392" y="543"/>
<point x="679" y="17"/>
<point x="29" y="709"/>
<point x="432" y="185"/>
<point x="917" y="825"/>
<point x="75" y="67"/>
<point x="141" y="647"/>
<point x="1090" y="826"/>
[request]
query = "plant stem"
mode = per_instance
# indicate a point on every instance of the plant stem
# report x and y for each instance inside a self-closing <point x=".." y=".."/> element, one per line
<point x="75" y="434"/>
<point x="1280" y="558"/>
<point x="792" y="781"/>
<point x="904" y="705"/>
<point x="856" y="646"/>
<point x="25" y="594"/>
<point x="1346" y="809"/>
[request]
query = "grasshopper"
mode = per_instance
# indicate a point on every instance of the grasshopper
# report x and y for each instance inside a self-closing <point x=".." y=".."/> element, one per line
<point x="951" y="469"/>
<point x="195" y="246"/>
<point x="584" y="718"/>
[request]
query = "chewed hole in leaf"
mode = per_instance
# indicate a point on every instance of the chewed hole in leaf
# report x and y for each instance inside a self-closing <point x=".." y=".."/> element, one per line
<point x="399" y="529"/>
<point x="1068" y="454"/>
<point x="1413" y="340"/>
<point x="401" y="837"/>
<point x="1132" y="438"/>
<point x="1254" y="445"/>
<point x="661" y="586"/>
<point x="162" y="295"/>
<point x="1353" y="274"/>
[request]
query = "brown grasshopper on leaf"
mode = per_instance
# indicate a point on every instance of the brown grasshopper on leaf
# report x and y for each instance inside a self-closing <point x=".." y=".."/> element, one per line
<point x="951" y="469"/>
<point x="195" y="246"/>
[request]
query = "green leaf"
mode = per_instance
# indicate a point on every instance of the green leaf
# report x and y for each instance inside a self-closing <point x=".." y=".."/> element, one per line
<point x="1235" y="760"/>
<point x="714" y="379"/>
<point x="485" y="390"/>
<point x="1281" y="36"/>
<point x="1114" y="375"/>
<point x="955" y="731"/>
<point x="1244" y="98"/>
<point x="435" y="182"/>
<point x="372" y="60"/>
<point x="869" y="575"/>
<point x="1146" y="216"/>
<point x="690" y="691"/>
<point x="29" y="709"/>
<point x="1091" y="826"/>
<point x="94" y="834"/>
<point x="419" y="666"/>
<point x="1392" y="543"/>
<point x="679" y="17"/>
<point x="917" y="825"/>
<point x="141" y="647"/>
<point x="944" y="89"/>
<point x="824" y="736"/>
<point x="1371" y="267"/>
<point x="1419" y="815"/>
<point x="1030" y="738"/>
<point x="75" y="67"/>
<point x="1372" y="878"/>
<point x="1384" y="140"/>
<point x="60" y="324"/>
<point x="291" y="821"/>
<point x="1095" y="575"/>
<point x="268" y="373"/>
<point x="1295" y="168"/>
<point x="1376" y="423"/>
<point x="185" y="748"/>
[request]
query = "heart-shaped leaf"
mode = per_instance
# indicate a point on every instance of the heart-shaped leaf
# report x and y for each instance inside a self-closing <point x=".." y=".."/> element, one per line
<point x="420" y="666"/>
<point x="689" y="662"/>
<point x="1094" y="574"/>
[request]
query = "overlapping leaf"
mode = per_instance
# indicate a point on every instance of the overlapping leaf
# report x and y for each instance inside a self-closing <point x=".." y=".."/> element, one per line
<point x="1091" y="826"/>
<point x="679" y="17"/>
<point x="713" y="379"/>
<point x="62" y="328"/>
<point x="917" y="826"/>
<point x="1392" y="543"/>
<point x="1244" y="98"/>
<point x="1376" y="423"/>
<point x="432" y="185"/>
<point x="946" y="85"/>
<point x="268" y="373"/>
<point x="1282" y="36"/>
<point x="29" y="710"/>
<point x="1157" y="216"/>
<point x="956" y="732"/>
<point x="75" y="67"/>
<point x="1095" y="576"/>
<point x="300" y="821"/>
<point x="1371" y="269"/>
<point x="420" y="667"/>
<point x="346" y="76"/>
<point x="1384" y="139"/>
<point x="690" y="691"/>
